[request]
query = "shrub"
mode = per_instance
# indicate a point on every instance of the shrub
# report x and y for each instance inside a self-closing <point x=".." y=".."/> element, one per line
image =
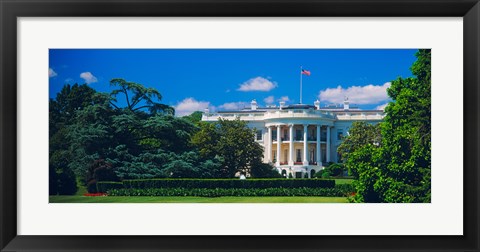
<point x="346" y="189"/>
<point x="332" y="170"/>
<point x="336" y="169"/>
<point x="318" y="174"/>
<point x="92" y="186"/>
<point x="52" y="181"/>
<point x="235" y="192"/>
<point x="104" y="186"/>
<point x="264" y="171"/>
<point x="228" y="183"/>
<point x="326" y="174"/>
<point x="67" y="182"/>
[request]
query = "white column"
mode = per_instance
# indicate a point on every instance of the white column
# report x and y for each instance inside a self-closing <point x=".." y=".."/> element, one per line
<point x="279" y="144"/>
<point x="305" y="145"/>
<point x="290" y="156"/>
<point x="328" y="143"/>
<point x="319" y="152"/>
<point x="269" y="149"/>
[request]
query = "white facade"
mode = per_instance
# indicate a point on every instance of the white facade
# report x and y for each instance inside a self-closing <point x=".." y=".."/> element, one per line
<point x="299" y="138"/>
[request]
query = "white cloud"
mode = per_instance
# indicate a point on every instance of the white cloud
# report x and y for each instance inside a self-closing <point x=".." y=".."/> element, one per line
<point x="88" y="77"/>
<point x="234" y="105"/>
<point x="190" y="105"/>
<point x="69" y="81"/>
<point x="369" y="94"/>
<point x="284" y="98"/>
<point x="51" y="73"/>
<point x="269" y="100"/>
<point x="381" y="107"/>
<point x="257" y="84"/>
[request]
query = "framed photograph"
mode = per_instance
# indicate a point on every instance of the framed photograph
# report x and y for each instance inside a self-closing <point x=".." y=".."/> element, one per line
<point x="363" y="115"/>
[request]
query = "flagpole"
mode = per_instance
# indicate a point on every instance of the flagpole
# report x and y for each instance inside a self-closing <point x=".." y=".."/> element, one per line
<point x="301" y="84"/>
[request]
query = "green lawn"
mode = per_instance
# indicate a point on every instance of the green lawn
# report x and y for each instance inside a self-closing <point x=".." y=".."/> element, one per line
<point x="127" y="199"/>
<point x="343" y="181"/>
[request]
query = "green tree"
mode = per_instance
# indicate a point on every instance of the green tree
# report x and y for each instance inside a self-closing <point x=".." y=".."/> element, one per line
<point x="139" y="97"/>
<point x="406" y="135"/>
<point x="194" y="118"/>
<point x="68" y="100"/>
<point x="231" y="140"/>
<point x="62" y="110"/>
<point x="367" y="162"/>
<point x="400" y="169"/>
<point x="359" y="135"/>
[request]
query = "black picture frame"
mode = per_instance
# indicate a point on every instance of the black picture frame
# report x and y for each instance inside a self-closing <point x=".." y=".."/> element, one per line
<point x="10" y="10"/>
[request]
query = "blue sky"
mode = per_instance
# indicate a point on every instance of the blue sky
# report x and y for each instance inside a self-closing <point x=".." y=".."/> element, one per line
<point x="226" y="79"/>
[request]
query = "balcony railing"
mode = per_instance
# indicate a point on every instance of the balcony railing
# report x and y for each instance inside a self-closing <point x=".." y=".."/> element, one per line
<point x="311" y="138"/>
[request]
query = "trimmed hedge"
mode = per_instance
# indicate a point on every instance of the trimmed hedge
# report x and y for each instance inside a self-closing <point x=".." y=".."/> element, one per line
<point x="236" y="192"/>
<point x="104" y="186"/>
<point x="228" y="183"/>
<point x="346" y="189"/>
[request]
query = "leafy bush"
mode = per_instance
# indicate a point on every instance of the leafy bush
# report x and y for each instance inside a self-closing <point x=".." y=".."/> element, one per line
<point x="346" y="189"/>
<point x="105" y="186"/>
<point x="62" y="179"/>
<point x="99" y="170"/>
<point x="67" y="183"/>
<point x="92" y="186"/>
<point x="235" y="192"/>
<point x="228" y="183"/>
<point x="336" y="169"/>
<point x="332" y="170"/>
<point x="52" y="181"/>
<point x="264" y="171"/>
<point x="326" y="174"/>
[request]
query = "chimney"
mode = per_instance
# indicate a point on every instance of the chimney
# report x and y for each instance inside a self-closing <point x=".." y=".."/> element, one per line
<point x="254" y="104"/>
<point x="346" y="104"/>
<point x="282" y="104"/>
<point x="317" y="104"/>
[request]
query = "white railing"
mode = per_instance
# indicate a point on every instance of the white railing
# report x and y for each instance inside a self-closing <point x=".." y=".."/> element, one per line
<point x="360" y="116"/>
<point x="298" y="114"/>
<point x="293" y="114"/>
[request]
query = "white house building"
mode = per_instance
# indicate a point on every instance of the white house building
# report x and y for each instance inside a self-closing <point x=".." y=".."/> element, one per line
<point x="299" y="138"/>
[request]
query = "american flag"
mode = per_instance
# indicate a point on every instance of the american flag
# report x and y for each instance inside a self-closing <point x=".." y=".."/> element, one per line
<point x="306" y="72"/>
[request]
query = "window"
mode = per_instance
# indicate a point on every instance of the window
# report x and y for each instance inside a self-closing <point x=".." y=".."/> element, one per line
<point x="259" y="135"/>
<point x="274" y="135"/>
<point x="298" y="135"/>
<point x="339" y="134"/>
<point x="299" y="155"/>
